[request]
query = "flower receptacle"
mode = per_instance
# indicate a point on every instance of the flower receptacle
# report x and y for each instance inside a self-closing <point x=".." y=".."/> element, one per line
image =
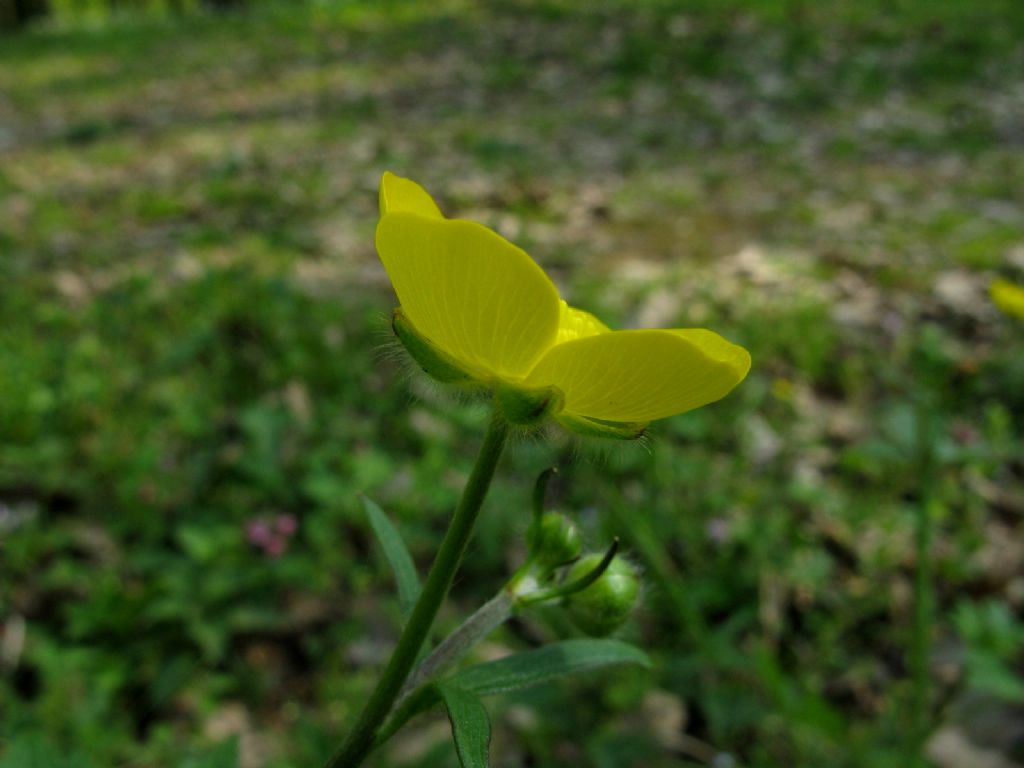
<point x="527" y="407"/>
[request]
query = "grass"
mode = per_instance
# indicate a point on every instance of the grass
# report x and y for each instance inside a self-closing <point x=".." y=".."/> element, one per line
<point x="192" y="340"/>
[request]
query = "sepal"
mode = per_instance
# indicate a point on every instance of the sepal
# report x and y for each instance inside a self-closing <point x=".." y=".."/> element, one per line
<point x="435" y="363"/>
<point x="614" y="430"/>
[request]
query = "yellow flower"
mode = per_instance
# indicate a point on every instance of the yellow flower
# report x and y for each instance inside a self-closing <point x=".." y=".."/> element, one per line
<point x="1008" y="297"/>
<point x="477" y="309"/>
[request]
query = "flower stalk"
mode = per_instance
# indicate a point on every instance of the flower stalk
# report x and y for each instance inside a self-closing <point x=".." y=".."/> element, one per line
<point x="360" y="740"/>
<point x="485" y="620"/>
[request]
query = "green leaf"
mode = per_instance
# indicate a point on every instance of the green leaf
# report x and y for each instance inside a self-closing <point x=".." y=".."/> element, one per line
<point x="33" y="750"/>
<point x="522" y="670"/>
<point x="987" y="672"/>
<point x="471" y="729"/>
<point x="397" y="556"/>
<point x="223" y="755"/>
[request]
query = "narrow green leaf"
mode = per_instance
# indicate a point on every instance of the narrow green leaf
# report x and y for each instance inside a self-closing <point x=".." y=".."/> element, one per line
<point x="522" y="670"/>
<point x="471" y="729"/>
<point x="397" y="556"/>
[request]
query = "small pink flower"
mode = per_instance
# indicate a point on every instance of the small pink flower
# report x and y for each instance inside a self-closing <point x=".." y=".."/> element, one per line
<point x="286" y="525"/>
<point x="276" y="547"/>
<point x="258" y="533"/>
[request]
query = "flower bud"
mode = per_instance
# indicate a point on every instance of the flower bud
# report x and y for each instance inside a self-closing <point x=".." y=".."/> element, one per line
<point x="556" y="540"/>
<point x="605" y="605"/>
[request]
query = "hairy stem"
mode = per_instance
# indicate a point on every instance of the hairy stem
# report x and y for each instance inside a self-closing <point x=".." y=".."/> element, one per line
<point x="361" y="738"/>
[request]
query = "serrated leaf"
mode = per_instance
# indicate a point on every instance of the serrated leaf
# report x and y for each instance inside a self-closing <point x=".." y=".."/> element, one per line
<point x="471" y="728"/>
<point x="396" y="554"/>
<point x="570" y="657"/>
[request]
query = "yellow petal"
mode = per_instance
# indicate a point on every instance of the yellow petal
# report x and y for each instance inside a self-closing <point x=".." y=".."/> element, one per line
<point x="476" y="296"/>
<point x="1008" y="297"/>
<point x="398" y="195"/>
<point x="576" y="324"/>
<point x="639" y="376"/>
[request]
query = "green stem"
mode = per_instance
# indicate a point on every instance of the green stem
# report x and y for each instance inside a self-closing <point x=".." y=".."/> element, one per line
<point x="361" y="738"/>
<point x="920" y="650"/>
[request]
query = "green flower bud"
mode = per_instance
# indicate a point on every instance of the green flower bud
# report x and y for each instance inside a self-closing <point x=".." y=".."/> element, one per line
<point x="556" y="540"/>
<point x="605" y="605"/>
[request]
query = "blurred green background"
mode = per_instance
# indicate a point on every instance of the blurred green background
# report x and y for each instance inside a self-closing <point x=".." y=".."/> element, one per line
<point x="195" y="360"/>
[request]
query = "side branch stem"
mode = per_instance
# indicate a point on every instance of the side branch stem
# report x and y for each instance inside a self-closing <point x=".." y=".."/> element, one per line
<point x="487" y="618"/>
<point x="361" y="738"/>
